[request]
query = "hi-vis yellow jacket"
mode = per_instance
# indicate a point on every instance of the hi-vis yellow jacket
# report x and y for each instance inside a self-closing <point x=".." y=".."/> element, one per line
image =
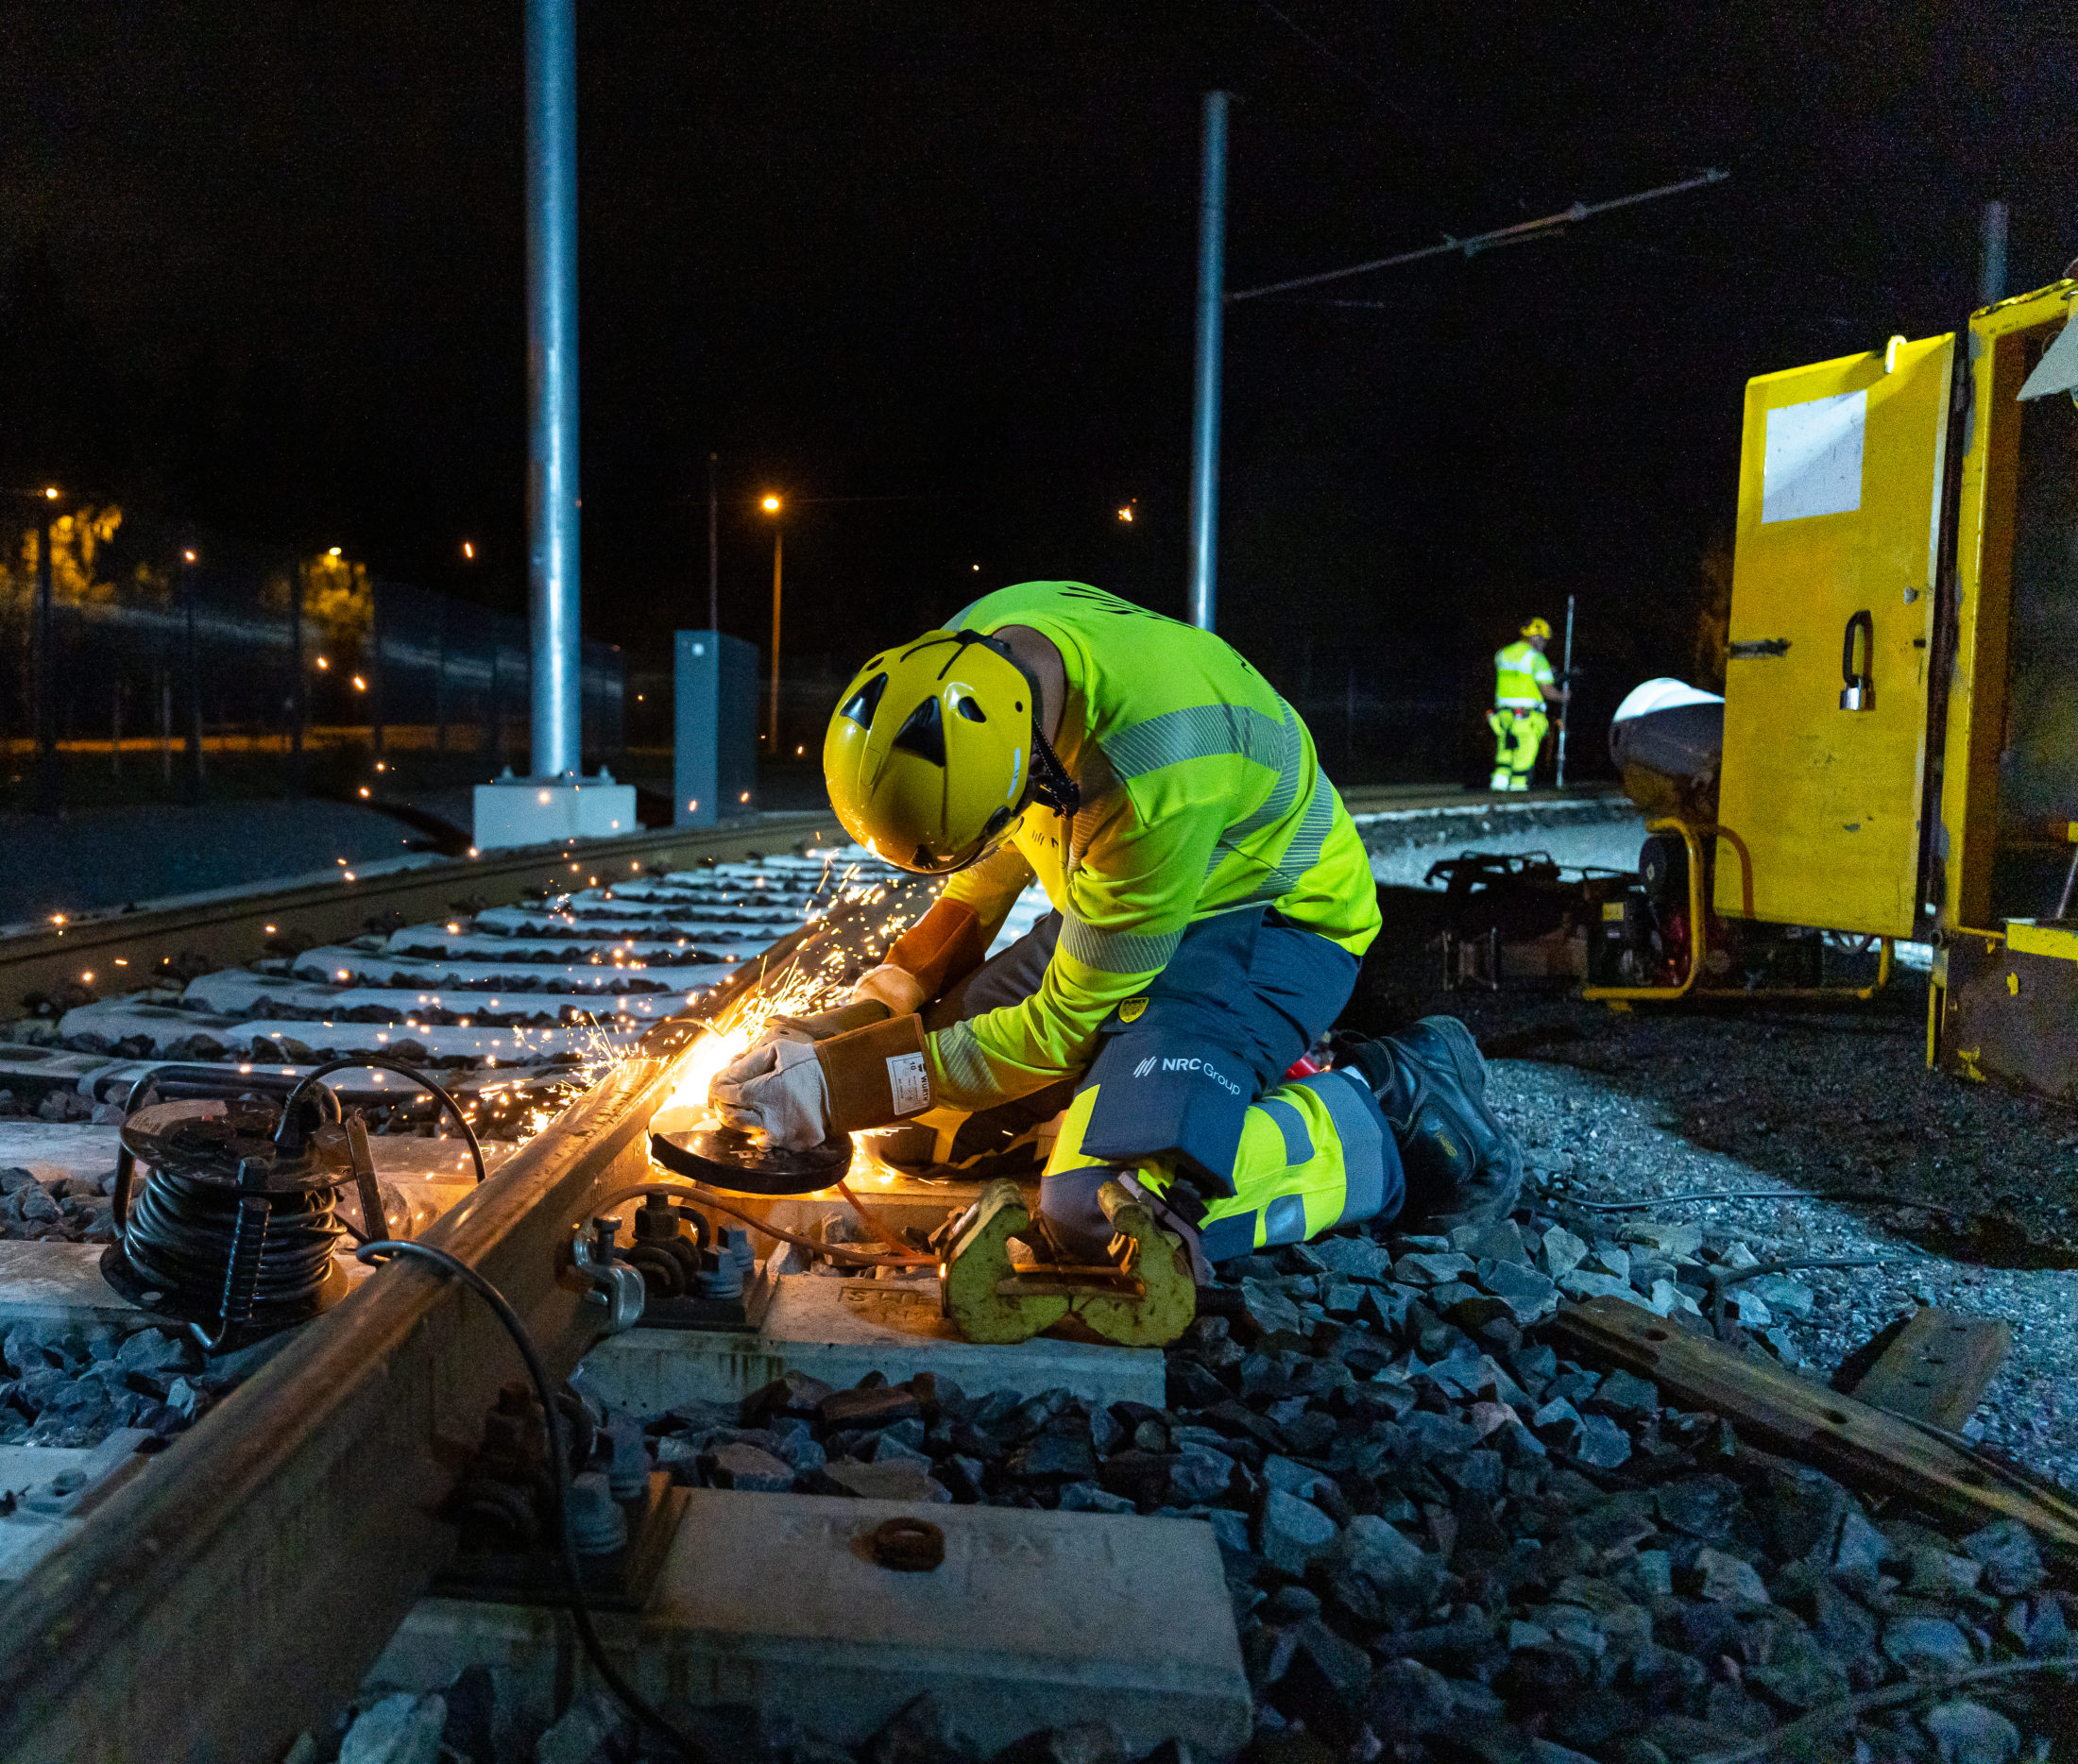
<point x="1201" y="794"/>
<point x="1519" y="671"/>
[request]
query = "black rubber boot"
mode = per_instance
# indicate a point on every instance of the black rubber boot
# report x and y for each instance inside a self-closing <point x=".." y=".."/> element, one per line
<point x="1463" y="1166"/>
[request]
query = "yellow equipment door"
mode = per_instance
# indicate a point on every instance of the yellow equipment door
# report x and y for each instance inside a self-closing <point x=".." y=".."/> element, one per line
<point x="1831" y="614"/>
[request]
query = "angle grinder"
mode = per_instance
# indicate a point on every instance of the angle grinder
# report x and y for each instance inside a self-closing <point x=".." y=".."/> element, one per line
<point x="738" y="1163"/>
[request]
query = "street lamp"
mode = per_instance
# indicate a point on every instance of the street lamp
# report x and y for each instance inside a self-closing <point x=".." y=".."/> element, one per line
<point x="49" y="791"/>
<point x="771" y="504"/>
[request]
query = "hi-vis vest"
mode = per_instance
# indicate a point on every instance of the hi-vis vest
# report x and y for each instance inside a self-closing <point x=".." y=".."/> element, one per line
<point x="1519" y="670"/>
<point x="1201" y="794"/>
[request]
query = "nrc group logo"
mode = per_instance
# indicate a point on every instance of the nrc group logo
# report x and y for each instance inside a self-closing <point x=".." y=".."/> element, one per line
<point x="1187" y="1064"/>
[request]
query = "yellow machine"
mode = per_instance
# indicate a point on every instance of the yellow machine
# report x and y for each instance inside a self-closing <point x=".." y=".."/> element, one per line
<point x="1900" y="742"/>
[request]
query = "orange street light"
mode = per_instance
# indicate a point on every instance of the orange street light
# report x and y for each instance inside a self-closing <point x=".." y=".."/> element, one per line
<point x="770" y="505"/>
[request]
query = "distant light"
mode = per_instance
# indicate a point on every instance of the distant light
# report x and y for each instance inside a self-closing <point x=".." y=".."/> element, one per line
<point x="323" y="663"/>
<point x="544" y="797"/>
<point x="360" y="685"/>
<point x="382" y="766"/>
<point x="57" y="918"/>
<point x="468" y="550"/>
<point x="121" y="962"/>
<point x="978" y="568"/>
<point x="349" y="875"/>
<point x="187" y="557"/>
<point x="88" y="976"/>
<point x="51" y="494"/>
<point x="334" y="552"/>
<point x="695" y="804"/>
<point x="364" y="789"/>
<point x="1126" y="513"/>
<point x="800" y="750"/>
<point x="770" y="505"/>
<point x="638" y="698"/>
<point x="744" y="798"/>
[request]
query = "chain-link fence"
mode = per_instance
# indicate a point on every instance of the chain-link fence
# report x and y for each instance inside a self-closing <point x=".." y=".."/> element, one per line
<point x="147" y="655"/>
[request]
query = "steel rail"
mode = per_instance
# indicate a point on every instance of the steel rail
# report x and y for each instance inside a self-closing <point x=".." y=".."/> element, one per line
<point x="232" y="931"/>
<point x="236" y="1594"/>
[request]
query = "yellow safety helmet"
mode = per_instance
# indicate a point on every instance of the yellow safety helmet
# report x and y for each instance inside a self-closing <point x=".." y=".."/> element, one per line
<point x="1536" y="628"/>
<point x="929" y="753"/>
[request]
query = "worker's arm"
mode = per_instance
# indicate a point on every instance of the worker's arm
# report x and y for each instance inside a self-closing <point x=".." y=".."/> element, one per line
<point x="952" y="938"/>
<point x="1540" y="670"/>
<point x="1129" y="903"/>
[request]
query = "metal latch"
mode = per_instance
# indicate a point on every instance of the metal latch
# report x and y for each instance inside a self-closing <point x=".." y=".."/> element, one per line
<point x="614" y="1285"/>
<point x="1859" y="692"/>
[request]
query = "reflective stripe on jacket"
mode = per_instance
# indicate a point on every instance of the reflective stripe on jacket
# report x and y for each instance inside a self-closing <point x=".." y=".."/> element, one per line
<point x="1201" y="794"/>
<point x="1519" y="670"/>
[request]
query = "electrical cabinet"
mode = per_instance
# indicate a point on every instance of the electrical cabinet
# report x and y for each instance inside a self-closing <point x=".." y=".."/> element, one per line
<point x="714" y="715"/>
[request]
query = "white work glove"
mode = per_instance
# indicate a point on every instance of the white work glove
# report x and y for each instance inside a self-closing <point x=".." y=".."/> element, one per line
<point x="776" y="1030"/>
<point x="899" y="990"/>
<point x="777" y="1090"/>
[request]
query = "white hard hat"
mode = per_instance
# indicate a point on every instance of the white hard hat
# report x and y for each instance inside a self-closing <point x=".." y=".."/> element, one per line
<point x="1662" y="694"/>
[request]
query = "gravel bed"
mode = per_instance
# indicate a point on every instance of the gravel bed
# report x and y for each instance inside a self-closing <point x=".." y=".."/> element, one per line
<point x="68" y="1385"/>
<point x="1441" y="1540"/>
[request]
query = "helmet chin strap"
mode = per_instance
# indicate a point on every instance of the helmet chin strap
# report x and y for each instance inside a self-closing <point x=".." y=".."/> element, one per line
<point x="1050" y="781"/>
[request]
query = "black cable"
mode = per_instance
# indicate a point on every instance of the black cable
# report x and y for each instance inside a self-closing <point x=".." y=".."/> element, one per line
<point x="179" y="1231"/>
<point x="219" y="1078"/>
<point x="385" y="1062"/>
<point x="559" y="1463"/>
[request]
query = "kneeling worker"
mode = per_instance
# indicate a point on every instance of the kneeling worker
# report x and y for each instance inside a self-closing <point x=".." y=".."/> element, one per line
<point x="1212" y="899"/>
<point x="1523" y="686"/>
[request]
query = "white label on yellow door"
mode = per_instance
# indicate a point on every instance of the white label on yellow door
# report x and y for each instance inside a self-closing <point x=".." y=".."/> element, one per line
<point x="1813" y="465"/>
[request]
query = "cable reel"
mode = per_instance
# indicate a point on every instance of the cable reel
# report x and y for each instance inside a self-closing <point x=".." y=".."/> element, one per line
<point x="233" y="1231"/>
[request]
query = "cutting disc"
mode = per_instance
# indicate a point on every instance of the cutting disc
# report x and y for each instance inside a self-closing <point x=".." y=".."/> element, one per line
<point x="724" y="1157"/>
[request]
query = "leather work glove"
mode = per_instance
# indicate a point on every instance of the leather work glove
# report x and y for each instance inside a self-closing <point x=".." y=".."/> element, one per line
<point x="777" y="1090"/>
<point x="899" y="990"/>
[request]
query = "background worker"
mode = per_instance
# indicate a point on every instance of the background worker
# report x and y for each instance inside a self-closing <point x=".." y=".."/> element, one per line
<point x="1212" y="899"/>
<point x="1523" y="686"/>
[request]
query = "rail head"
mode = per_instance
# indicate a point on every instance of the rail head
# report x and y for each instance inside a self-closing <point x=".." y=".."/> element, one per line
<point x="236" y="1594"/>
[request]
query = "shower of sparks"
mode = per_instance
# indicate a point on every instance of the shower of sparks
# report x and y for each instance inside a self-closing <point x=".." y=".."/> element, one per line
<point x="799" y="984"/>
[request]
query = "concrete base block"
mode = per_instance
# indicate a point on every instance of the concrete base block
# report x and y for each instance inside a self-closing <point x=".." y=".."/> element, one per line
<point x="45" y="1283"/>
<point x="532" y="811"/>
<point x="838" y="1330"/>
<point x="1035" y="1619"/>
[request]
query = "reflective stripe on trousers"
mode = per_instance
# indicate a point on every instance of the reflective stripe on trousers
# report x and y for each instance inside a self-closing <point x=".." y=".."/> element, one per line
<point x="1313" y="1155"/>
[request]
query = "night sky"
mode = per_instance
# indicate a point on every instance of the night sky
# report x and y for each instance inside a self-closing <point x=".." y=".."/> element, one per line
<point x="263" y="267"/>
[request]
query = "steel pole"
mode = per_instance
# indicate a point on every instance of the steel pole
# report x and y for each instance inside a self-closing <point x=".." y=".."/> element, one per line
<point x="773" y="738"/>
<point x="192" y="661"/>
<point x="714" y="552"/>
<point x="298" y="702"/>
<point x="1565" y="710"/>
<point x="1991" y="266"/>
<point x="552" y="384"/>
<point x="1204" y="428"/>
